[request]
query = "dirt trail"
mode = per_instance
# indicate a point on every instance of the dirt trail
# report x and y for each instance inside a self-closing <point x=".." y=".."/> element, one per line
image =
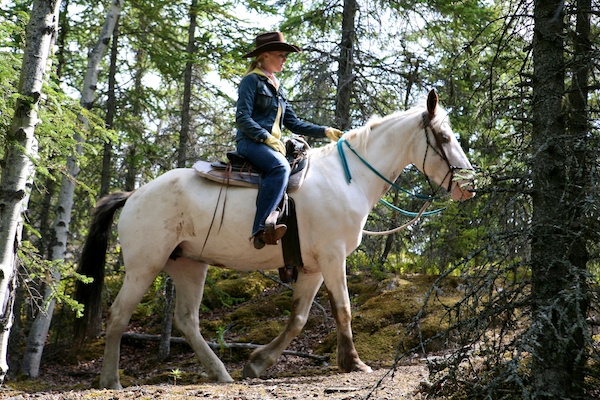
<point x="337" y="386"/>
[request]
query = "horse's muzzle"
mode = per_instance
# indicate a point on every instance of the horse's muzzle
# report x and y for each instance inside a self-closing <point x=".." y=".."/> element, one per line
<point x="462" y="193"/>
<point x="464" y="188"/>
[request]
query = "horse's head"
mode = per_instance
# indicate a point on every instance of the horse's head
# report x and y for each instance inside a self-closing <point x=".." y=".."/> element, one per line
<point x="443" y="160"/>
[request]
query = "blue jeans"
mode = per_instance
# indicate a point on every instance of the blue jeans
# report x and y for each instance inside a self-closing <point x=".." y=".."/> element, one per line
<point x="274" y="178"/>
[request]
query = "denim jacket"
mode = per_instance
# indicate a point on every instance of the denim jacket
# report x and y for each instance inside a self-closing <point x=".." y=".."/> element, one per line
<point x="257" y="106"/>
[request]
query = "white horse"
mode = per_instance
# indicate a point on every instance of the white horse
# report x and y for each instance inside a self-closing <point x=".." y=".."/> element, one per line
<point x="180" y="210"/>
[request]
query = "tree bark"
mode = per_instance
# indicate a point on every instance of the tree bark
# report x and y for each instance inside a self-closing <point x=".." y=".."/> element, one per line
<point x="164" y="348"/>
<point x="346" y="64"/>
<point x="39" y="330"/>
<point x="18" y="173"/>
<point x="558" y="264"/>
<point x="187" y="87"/>
<point x="579" y="131"/>
<point x="111" y="110"/>
<point x="137" y="128"/>
<point x="389" y="240"/>
<point x="36" y="339"/>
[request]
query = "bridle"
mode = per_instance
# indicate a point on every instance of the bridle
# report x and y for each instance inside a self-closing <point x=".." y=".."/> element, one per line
<point x="439" y="150"/>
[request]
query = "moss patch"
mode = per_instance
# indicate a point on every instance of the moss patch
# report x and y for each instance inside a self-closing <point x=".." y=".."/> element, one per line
<point x="263" y="333"/>
<point x="256" y="313"/>
<point x="227" y="288"/>
<point x="384" y="310"/>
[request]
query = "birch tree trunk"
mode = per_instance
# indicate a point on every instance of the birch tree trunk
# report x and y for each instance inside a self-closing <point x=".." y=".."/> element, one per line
<point x="39" y="330"/>
<point x="21" y="150"/>
<point x="36" y="338"/>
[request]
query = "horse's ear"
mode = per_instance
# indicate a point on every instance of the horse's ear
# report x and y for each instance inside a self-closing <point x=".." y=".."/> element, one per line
<point x="432" y="101"/>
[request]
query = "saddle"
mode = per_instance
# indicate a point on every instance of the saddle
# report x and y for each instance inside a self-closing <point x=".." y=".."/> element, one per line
<point x="238" y="171"/>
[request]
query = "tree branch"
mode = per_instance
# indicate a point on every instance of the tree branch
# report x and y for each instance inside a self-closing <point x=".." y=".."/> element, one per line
<point x="215" y="346"/>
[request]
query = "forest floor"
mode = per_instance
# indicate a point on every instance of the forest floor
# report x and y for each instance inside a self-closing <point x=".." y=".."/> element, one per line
<point x="381" y="310"/>
<point x="378" y="385"/>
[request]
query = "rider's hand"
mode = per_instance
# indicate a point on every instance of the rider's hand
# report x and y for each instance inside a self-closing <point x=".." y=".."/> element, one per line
<point x="275" y="144"/>
<point x="333" y="134"/>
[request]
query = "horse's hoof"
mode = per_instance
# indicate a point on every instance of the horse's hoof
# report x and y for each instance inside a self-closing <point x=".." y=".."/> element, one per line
<point x="249" y="372"/>
<point x="362" y="367"/>
<point x="111" y="385"/>
<point x="224" y="379"/>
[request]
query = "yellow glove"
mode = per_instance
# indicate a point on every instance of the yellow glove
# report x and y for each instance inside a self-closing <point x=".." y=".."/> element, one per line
<point x="333" y="134"/>
<point x="275" y="144"/>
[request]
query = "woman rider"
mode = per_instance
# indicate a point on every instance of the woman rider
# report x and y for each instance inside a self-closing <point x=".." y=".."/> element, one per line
<point x="262" y="111"/>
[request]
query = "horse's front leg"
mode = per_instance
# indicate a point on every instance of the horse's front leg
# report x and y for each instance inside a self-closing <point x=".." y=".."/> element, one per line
<point x="337" y="288"/>
<point x="306" y="288"/>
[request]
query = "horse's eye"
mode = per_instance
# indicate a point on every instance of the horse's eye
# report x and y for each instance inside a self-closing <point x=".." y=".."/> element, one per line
<point x="446" y="138"/>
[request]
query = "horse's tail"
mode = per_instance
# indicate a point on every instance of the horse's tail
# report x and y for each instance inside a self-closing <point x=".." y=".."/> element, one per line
<point x="91" y="264"/>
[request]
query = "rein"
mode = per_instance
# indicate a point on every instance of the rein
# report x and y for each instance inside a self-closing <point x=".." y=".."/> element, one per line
<point x="398" y="229"/>
<point x="416" y="216"/>
<point x="349" y="176"/>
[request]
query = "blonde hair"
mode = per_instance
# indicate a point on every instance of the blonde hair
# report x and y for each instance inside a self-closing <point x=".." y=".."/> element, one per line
<point x="256" y="63"/>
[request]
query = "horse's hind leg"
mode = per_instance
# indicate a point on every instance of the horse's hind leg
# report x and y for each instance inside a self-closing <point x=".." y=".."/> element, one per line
<point x="189" y="277"/>
<point x="130" y="295"/>
<point x="306" y="288"/>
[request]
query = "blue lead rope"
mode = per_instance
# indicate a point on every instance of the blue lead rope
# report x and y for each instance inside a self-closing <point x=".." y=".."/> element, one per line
<point x="386" y="203"/>
<point x="343" y="158"/>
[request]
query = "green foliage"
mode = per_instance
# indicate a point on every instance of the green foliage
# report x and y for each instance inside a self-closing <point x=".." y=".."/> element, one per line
<point x="35" y="269"/>
<point x="12" y="30"/>
<point x="175" y="374"/>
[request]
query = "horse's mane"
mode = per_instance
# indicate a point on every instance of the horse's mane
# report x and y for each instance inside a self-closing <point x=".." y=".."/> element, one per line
<point x="359" y="137"/>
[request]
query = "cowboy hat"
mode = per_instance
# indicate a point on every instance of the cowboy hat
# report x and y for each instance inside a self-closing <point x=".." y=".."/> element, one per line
<point x="271" y="41"/>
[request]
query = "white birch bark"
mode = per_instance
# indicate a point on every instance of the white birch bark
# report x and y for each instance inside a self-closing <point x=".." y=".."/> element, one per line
<point x="36" y="339"/>
<point x="91" y="76"/>
<point x="21" y="151"/>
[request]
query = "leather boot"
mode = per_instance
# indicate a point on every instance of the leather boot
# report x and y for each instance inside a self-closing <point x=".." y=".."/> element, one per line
<point x="270" y="235"/>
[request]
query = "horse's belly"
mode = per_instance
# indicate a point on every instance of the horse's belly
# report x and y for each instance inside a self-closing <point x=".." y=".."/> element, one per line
<point x="233" y="253"/>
